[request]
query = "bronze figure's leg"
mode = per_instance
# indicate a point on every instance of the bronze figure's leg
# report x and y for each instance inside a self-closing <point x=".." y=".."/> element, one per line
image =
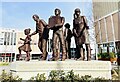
<point x="69" y="51"/>
<point x="62" y="42"/>
<point x="55" y="55"/>
<point x="88" y="49"/>
<point x="27" y="56"/>
<point x="77" y="55"/>
<point x="58" y="48"/>
<point x="20" y="50"/>
<point x="40" y="46"/>
<point x="81" y="52"/>
<point x="44" y="49"/>
<point x="66" y="45"/>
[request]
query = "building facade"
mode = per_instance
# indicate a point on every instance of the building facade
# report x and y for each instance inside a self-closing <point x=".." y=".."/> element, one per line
<point x="106" y="23"/>
<point x="7" y="44"/>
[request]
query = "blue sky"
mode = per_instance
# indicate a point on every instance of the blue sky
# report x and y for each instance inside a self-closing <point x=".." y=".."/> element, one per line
<point x="18" y="15"/>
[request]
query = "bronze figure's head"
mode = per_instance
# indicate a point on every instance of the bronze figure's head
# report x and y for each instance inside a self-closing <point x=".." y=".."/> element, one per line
<point x="27" y="31"/>
<point x="35" y="17"/>
<point x="57" y="12"/>
<point x="77" y="11"/>
<point x="67" y="25"/>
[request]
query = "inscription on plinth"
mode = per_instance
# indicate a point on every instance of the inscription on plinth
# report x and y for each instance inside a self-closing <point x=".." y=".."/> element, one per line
<point x="32" y="68"/>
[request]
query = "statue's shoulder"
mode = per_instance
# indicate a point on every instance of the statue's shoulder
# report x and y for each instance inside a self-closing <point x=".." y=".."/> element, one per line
<point x="63" y="17"/>
<point x="83" y="17"/>
<point x="41" y="21"/>
<point x="52" y="16"/>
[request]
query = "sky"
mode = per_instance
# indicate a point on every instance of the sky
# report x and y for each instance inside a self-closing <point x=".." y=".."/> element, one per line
<point x="18" y="15"/>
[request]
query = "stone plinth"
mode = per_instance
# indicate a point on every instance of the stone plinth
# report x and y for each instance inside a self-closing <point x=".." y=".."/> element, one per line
<point x="94" y="68"/>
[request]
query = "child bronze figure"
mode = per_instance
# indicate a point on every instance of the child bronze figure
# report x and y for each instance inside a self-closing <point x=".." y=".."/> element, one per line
<point x="26" y="46"/>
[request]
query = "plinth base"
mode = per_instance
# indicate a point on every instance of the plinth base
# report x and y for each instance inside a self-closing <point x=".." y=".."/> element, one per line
<point x="29" y="69"/>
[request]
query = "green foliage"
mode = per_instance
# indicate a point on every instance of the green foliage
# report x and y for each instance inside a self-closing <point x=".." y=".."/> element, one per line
<point x="72" y="77"/>
<point x="112" y="55"/>
<point x="86" y="78"/>
<point x="61" y="76"/>
<point x="99" y="79"/>
<point x="115" y="73"/>
<point x="56" y="75"/>
<point x="106" y="55"/>
<point x="103" y="55"/>
<point x="8" y="77"/>
<point x="4" y="63"/>
<point x="38" y="78"/>
<point x="118" y="55"/>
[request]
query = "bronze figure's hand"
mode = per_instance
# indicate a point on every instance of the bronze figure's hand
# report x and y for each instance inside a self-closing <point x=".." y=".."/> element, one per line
<point x="20" y="38"/>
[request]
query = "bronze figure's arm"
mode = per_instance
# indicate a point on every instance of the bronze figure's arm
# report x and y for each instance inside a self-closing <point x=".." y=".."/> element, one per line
<point x="85" y="22"/>
<point x="74" y="29"/>
<point x="29" y="38"/>
<point x="64" y="33"/>
<point x="45" y="24"/>
<point x="61" y="24"/>
<point x="22" y="39"/>
<point x="70" y="33"/>
<point x="33" y="33"/>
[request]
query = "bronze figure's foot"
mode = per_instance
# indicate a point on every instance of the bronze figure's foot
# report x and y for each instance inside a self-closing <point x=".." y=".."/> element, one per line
<point x="42" y="59"/>
<point x="51" y="59"/>
<point x="59" y="59"/>
<point x="56" y="58"/>
<point x="20" y="58"/>
<point x="27" y="59"/>
<point x="88" y="59"/>
<point x="81" y="59"/>
<point x="75" y="58"/>
<point x="63" y="59"/>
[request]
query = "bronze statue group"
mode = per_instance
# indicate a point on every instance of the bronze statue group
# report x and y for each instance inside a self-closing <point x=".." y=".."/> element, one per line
<point x="61" y="39"/>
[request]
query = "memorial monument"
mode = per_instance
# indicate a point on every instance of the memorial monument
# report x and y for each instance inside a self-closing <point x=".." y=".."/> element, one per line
<point x="80" y="32"/>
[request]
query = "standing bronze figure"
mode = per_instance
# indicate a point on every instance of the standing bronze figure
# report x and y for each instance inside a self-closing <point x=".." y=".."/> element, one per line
<point x="68" y="35"/>
<point x="42" y="30"/>
<point x="80" y="30"/>
<point x="26" y="46"/>
<point x="56" y="23"/>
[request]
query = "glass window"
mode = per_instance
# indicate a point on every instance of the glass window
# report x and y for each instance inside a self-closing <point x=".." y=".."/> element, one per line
<point x="11" y="38"/>
<point x="1" y="38"/>
<point x="14" y="38"/>
<point x="111" y="44"/>
<point x="5" y="38"/>
<point x="8" y="38"/>
<point x="1" y="41"/>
